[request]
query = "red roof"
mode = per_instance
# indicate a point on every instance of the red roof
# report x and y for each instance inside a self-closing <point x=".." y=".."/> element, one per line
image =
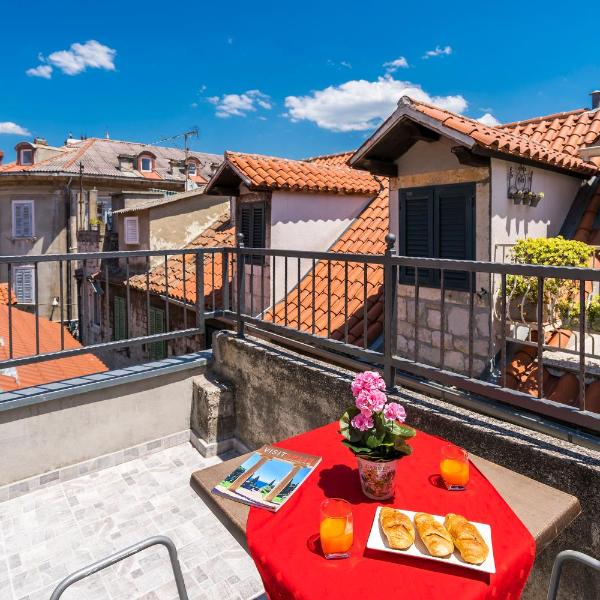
<point x="23" y="339"/>
<point x="4" y="294"/>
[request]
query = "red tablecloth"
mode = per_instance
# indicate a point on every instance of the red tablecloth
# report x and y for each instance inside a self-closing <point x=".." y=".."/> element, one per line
<point x="285" y="549"/>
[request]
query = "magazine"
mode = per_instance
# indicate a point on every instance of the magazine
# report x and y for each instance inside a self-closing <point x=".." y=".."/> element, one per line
<point x="268" y="477"/>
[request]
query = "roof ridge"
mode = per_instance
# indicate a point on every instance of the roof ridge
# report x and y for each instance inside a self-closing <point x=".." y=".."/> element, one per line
<point x="332" y="155"/>
<point x="550" y="117"/>
<point x="81" y="151"/>
<point x="292" y="160"/>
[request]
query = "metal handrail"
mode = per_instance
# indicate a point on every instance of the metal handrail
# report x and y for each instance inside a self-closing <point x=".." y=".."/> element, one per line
<point x="121" y="555"/>
<point x="559" y="562"/>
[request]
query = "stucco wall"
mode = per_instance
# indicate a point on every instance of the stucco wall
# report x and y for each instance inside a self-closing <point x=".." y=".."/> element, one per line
<point x="302" y="221"/>
<point x="279" y="394"/>
<point x="512" y="222"/>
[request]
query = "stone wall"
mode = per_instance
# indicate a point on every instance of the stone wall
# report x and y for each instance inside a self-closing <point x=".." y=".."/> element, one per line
<point x="279" y="393"/>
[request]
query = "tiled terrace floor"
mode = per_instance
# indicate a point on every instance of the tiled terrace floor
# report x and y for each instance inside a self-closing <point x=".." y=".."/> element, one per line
<point x="47" y="534"/>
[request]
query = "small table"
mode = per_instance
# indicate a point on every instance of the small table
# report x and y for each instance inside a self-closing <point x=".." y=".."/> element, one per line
<point x="544" y="510"/>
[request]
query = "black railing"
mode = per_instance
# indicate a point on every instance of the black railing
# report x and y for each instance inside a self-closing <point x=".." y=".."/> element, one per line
<point x="351" y="305"/>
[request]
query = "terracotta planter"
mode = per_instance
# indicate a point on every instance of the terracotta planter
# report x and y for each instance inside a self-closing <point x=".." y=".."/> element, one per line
<point x="522" y="309"/>
<point x="377" y="478"/>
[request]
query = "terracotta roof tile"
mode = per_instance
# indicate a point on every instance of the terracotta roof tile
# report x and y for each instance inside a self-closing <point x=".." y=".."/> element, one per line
<point x="4" y="294"/>
<point x="322" y="175"/>
<point x="23" y="339"/>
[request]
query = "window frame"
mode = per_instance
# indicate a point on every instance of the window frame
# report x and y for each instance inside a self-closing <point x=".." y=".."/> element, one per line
<point x="19" y="269"/>
<point x="194" y="164"/>
<point x="21" y="161"/>
<point x="15" y="204"/>
<point x="142" y="159"/>
<point x="126" y="238"/>
<point x="431" y="277"/>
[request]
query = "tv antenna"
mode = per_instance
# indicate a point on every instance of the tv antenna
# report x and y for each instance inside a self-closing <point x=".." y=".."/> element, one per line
<point x="186" y="135"/>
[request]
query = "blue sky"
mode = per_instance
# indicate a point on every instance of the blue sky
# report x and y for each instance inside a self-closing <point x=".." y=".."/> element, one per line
<point x="290" y="80"/>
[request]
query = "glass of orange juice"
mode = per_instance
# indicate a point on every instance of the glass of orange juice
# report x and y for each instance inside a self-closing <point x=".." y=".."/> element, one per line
<point x="337" y="530"/>
<point x="454" y="467"/>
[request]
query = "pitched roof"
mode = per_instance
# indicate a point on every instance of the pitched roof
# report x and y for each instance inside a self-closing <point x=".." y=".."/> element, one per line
<point x="340" y="159"/>
<point x="220" y="233"/>
<point x="4" y="294"/>
<point x="170" y="199"/>
<point x="23" y="339"/>
<point x="365" y="235"/>
<point x="272" y="173"/>
<point x="509" y="140"/>
<point x="100" y="157"/>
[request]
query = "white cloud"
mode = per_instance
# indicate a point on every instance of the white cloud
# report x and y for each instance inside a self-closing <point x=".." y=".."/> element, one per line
<point x="10" y="128"/>
<point x="359" y="105"/>
<point x="489" y="119"/>
<point x="394" y="65"/>
<point x="44" y="71"/>
<point x="76" y="59"/>
<point x="342" y="63"/>
<point x="445" y="51"/>
<point x="239" y="105"/>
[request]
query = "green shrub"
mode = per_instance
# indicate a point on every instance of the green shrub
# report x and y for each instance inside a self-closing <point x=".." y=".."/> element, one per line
<point x="569" y="313"/>
<point x="557" y="252"/>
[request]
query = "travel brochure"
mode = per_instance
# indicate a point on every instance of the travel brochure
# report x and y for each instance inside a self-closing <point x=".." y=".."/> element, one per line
<point x="268" y="478"/>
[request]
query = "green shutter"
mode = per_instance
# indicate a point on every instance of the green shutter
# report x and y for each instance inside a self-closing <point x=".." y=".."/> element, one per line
<point x="157" y="350"/>
<point x="120" y="319"/>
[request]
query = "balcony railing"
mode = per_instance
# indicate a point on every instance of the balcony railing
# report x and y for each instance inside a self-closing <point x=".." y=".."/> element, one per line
<point x="443" y="322"/>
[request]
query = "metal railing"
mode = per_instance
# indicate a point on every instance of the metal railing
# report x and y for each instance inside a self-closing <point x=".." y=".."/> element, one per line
<point x="442" y="322"/>
<point x="158" y="540"/>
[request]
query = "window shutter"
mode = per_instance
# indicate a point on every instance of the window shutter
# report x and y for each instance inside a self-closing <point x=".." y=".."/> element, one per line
<point x="258" y="226"/>
<point x="131" y="228"/>
<point x="416" y="220"/>
<point x="23" y="216"/>
<point x="157" y="350"/>
<point x="120" y="319"/>
<point x="24" y="285"/>
<point x="246" y="225"/>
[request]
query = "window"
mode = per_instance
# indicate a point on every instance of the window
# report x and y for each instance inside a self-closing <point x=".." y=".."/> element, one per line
<point x="24" y="284"/>
<point x="119" y="319"/>
<point x="156" y="350"/>
<point x="252" y="225"/>
<point x="26" y="156"/>
<point x="131" y="229"/>
<point x="145" y="164"/>
<point x="437" y="222"/>
<point x="192" y="170"/>
<point x="22" y="222"/>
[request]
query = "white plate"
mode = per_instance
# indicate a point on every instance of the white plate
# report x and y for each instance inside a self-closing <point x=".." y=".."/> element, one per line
<point x="378" y="541"/>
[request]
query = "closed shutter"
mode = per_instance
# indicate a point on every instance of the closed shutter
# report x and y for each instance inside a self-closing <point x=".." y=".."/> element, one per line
<point x="23" y="219"/>
<point x="416" y="220"/>
<point x="131" y="228"/>
<point x="120" y="319"/>
<point x="253" y="227"/>
<point x="157" y="350"/>
<point x="24" y="285"/>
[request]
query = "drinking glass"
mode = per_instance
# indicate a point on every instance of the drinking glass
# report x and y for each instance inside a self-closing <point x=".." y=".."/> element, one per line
<point x="454" y="467"/>
<point x="336" y="530"/>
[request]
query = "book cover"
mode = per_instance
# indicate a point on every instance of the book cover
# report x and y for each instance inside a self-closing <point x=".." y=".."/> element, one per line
<point x="268" y="477"/>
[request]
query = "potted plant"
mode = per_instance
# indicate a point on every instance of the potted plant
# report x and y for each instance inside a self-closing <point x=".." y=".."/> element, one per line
<point x="375" y="432"/>
<point x="569" y="315"/>
<point x="522" y="291"/>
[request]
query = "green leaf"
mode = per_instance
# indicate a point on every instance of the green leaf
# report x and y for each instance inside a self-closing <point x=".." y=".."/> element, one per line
<point x="346" y="428"/>
<point x="373" y="440"/>
<point x="403" y="447"/>
<point x="406" y="432"/>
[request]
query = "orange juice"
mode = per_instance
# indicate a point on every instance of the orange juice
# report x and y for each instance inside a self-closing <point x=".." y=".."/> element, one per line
<point x="336" y="528"/>
<point x="336" y="535"/>
<point x="454" y="467"/>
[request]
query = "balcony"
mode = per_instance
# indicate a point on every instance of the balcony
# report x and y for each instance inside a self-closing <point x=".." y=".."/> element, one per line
<point x="114" y="449"/>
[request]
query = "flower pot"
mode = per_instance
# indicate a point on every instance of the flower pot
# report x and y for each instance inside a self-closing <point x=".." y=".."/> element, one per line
<point x="524" y="310"/>
<point x="377" y="478"/>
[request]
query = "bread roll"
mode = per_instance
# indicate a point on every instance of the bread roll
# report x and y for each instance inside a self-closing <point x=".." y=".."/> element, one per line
<point x="467" y="539"/>
<point x="434" y="535"/>
<point x="397" y="528"/>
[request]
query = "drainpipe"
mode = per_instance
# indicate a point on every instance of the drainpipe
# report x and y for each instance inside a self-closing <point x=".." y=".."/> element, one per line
<point x="69" y="248"/>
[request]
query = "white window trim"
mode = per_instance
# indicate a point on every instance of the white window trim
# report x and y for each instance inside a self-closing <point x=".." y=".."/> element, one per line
<point x="21" y="161"/>
<point x="135" y="239"/>
<point x="142" y="159"/>
<point x="195" y="167"/>
<point x="30" y="268"/>
<point x="16" y="203"/>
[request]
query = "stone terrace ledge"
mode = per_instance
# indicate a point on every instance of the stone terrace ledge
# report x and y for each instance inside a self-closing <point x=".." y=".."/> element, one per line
<point x="538" y="475"/>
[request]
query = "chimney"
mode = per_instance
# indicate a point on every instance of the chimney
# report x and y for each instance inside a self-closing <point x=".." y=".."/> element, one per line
<point x="40" y="141"/>
<point x="595" y="99"/>
<point x="1" y="156"/>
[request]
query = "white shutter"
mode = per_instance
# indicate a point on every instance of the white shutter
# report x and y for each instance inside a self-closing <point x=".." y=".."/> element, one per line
<point x="23" y="219"/>
<point x="24" y="285"/>
<point x="132" y="235"/>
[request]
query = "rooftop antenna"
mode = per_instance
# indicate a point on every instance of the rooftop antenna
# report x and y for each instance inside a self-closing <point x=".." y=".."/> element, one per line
<point x="186" y="135"/>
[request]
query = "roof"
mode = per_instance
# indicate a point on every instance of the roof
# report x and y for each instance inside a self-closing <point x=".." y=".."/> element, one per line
<point x="510" y="140"/>
<point x="4" y="294"/>
<point x="340" y="159"/>
<point x="23" y="337"/>
<point x="220" y="233"/>
<point x="100" y="157"/>
<point x="147" y="204"/>
<point x="259" y="172"/>
<point x="365" y="235"/>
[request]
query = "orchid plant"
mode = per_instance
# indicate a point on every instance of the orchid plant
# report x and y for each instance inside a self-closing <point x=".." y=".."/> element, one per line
<point x="374" y="428"/>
